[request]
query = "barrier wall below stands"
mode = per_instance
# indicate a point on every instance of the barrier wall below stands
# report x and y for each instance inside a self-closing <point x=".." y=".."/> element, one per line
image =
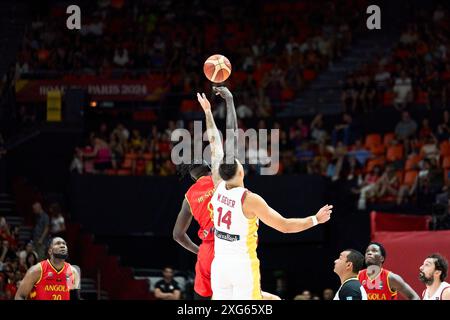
<point x="406" y="251"/>
<point x="149" y="205"/>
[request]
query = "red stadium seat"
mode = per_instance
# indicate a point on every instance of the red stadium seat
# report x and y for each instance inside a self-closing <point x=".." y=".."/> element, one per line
<point x="388" y="137"/>
<point x="394" y="153"/>
<point x="373" y="139"/>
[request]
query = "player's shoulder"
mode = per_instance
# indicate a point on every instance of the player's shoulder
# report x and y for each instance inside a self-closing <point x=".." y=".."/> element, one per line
<point x="36" y="268"/>
<point x="36" y="271"/>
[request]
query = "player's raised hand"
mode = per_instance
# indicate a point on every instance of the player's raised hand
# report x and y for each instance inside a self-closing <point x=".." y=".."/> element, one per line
<point x="203" y="102"/>
<point x="223" y="92"/>
<point x="324" y="214"/>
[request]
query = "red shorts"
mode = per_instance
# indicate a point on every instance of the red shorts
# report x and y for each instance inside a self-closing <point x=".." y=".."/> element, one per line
<point x="205" y="257"/>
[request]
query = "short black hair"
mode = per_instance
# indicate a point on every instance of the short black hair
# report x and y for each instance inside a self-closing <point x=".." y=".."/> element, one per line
<point x="441" y="264"/>
<point x="356" y="258"/>
<point x="382" y="249"/>
<point x="200" y="169"/>
<point x="227" y="171"/>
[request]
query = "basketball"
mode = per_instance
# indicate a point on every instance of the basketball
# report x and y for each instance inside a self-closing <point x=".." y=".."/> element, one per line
<point x="217" y="68"/>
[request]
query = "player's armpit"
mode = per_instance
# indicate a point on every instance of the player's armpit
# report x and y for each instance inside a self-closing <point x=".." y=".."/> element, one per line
<point x="397" y="283"/>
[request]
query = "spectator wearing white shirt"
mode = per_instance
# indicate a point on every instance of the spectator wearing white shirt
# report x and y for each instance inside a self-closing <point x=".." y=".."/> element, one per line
<point x="403" y="91"/>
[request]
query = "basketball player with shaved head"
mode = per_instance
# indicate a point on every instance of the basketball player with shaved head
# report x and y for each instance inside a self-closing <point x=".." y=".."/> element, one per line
<point x="235" y="272"/>
<point x="51" y="279"/>
<point x="433" y="272"/>
<point x="380" y="283"/>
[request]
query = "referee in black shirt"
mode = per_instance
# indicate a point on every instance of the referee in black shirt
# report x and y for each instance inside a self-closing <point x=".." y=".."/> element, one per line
<point x="347" y="267"/>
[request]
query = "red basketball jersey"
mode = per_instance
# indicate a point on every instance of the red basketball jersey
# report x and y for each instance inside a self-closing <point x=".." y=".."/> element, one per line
<point x="198" y="197"/>
<point x="378" y="288"/>
<point x="53" y="284"/>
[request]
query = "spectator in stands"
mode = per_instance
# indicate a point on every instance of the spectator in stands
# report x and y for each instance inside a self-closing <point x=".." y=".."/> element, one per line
<point x="403" y="91"/>
<point x="31" y="260"/>
<point x="76" y="166"/>
<point x="328" y="294"/>
<point x="425" y="129"/>
<point x="388" y="184"/>
<point x="318" y="133"/>
<point x="167" y="288"/>
<point x="57" y="222"/>
<point x="5" y="233"/>
<point x="360" y="153"/>
<point x="443" y="129"/>
<point x="368" y="187"/>
<point x="405" y="130"/>
<point x="344" y="131"/>
<point x="23" y="254"/>
<point x="101" y="154"/>
<point x="430" y="149"/>
<point x="10" y="282"/>
<point x="306" y="295"/>
<point x="349" y="95"/>
<point x="7" y="254"/>
<point x="117" y="149"/>
<point x="382" y="79"/>
<point x="41" y="229"/>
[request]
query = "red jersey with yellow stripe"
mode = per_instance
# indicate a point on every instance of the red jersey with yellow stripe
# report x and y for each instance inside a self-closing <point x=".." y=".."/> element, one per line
<point x="198" y="197"/>
<point x="377" y="288"/>
<point x="53" y="284"/>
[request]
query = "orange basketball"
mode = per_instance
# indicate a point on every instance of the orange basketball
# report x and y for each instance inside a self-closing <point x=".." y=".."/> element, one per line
<point x="217" y="68"/>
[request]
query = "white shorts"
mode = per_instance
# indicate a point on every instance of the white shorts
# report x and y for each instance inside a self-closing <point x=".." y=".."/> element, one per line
<point x="235" y="279"/>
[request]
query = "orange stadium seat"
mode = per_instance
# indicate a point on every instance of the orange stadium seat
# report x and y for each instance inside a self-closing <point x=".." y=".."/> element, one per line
<point x="378" y="150"/>
<point x="410" y="177"/>
<point x="373" y="139"/>
<point x="444" y="148"/>
<point x="446" y="162"/>
<point x="412" y="162"/>
<point x="388" y="137"/>
<point x="394" y="153"/>
<point x="374" y="162"/>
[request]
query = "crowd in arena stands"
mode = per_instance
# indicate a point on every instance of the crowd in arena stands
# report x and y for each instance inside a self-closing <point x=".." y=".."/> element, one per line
<point x="17" y="256"/>
<point x="416" y="70"/>
<point x="408" y="162"/>
<point x="275" y="48"/>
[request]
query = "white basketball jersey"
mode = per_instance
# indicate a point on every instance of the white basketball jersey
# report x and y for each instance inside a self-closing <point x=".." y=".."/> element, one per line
<point x="235" y="235"/>
<point x="437" y="295"/>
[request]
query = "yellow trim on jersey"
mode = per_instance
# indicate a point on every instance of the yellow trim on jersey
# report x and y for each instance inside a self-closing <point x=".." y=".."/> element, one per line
<point x="42" y="271"/>
<point x="211" y="210"/>
<point x="251" y="249"/>
<point x="394" y="293"/>
<point x="192" y="213"/>
<point x="57" y="272"/>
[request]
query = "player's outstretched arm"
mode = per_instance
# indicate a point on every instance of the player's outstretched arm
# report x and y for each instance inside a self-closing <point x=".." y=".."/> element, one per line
<point x="255" y="205"/>
<point x="231" y="122"/>
<point x="397" y="283"/>
<point x="26" y="285"/>
<point x="213" y="137"/>
<point x="182" y="224"/>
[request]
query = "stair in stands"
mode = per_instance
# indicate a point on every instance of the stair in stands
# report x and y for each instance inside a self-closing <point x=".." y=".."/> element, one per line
<point x="324" y="93"/>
